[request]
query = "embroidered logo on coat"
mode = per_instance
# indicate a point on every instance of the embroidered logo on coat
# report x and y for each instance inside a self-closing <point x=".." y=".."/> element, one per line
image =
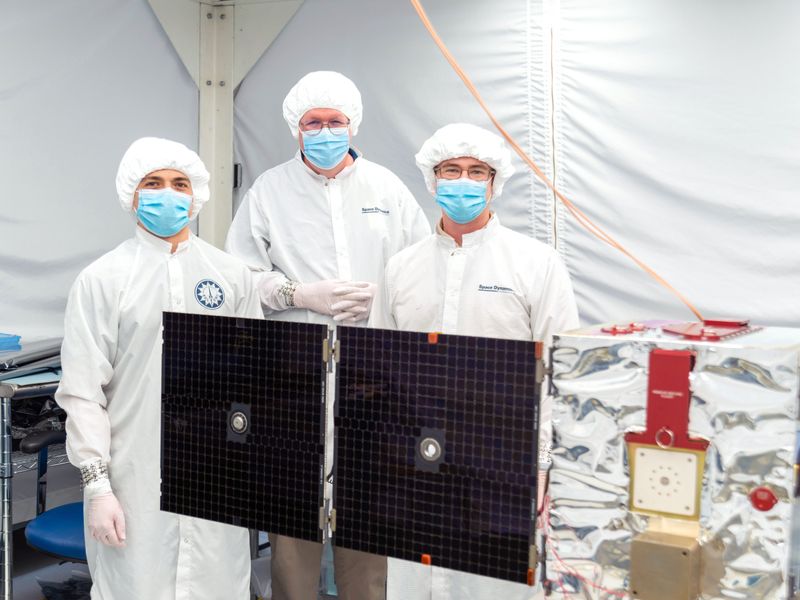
<point x="496" y="289"/>
<point x="209" y="294"/>
<point x="373" y="210"/>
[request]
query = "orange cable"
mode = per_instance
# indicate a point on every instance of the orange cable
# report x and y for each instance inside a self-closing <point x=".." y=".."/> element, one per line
<point x="579" y="215"/>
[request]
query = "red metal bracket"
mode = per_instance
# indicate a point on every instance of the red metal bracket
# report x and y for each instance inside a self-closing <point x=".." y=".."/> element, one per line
<point x="623" y="329"/>
<point x="711" y="330"/>
<point x="668" y="398"/>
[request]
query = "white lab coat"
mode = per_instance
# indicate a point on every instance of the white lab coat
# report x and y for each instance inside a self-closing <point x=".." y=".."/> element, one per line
<point x="298" y="224"/>
<point x="111" y="391"/>
<point x="501" y="284"/>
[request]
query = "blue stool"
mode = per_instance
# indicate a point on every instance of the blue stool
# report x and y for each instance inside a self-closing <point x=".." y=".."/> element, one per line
<point x="58" y="531"/>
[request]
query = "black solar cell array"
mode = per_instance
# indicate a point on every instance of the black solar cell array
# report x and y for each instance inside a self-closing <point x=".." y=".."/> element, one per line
<point x="265" y="376"/>
<point x="436" y="449"/>
<point x="435" y="442"/>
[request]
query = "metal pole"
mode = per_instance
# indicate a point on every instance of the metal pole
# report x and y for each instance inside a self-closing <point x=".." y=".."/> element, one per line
<point x="41" y="484"/>
<point x="6" y="471"/>
<point x="7" y="392"/>
<point x="216" y="118"/>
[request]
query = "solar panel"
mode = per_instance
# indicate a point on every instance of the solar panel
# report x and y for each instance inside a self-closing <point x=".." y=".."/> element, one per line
<point x="436" y="437"/>
<point x="243" y="405"/>
<point x="436" y="442"/>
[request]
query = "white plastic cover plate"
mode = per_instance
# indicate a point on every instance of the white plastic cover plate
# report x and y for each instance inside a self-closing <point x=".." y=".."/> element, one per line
<point x="664" y="481"/>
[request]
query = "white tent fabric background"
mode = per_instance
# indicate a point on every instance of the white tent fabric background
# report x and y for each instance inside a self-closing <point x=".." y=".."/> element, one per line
<point x="407" y="87"/>
<point x="675" y="125"/>
<point x="676" y="128"/>
<point x="80" y="81"/>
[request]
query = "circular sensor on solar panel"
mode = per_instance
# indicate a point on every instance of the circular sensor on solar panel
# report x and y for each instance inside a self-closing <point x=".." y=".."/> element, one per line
<point x="238" y="422"/>
<point x="430" y="449"/>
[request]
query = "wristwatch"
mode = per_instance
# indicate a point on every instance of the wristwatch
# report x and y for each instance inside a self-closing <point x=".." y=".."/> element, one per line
<point x="287" y="290"/>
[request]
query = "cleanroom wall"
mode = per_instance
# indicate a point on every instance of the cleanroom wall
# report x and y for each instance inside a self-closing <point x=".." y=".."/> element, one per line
<point x="81" y="80"/>
<point x="674" y="125"/>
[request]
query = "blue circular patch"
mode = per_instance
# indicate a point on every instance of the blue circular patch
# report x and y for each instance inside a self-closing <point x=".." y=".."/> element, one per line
<point x="209" y="294"/>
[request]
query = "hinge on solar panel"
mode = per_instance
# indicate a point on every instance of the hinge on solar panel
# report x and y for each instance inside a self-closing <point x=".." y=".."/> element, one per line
<point x="542" y="371"/>
<point x="533" y="559"/>
<point x="327" y="355"/>
<point x="327" y="517"/>
<point x="326" y="350"/>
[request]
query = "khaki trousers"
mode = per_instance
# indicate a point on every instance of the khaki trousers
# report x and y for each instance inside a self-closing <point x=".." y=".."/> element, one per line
<point x="295" y="569"/>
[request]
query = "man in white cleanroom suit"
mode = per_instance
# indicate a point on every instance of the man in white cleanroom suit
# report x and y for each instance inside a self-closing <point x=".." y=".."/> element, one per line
<point x="472" y="277"/>
<point x="111" y="386"/>
<point x="318" y="231"/>
<point x="319" y="228"/>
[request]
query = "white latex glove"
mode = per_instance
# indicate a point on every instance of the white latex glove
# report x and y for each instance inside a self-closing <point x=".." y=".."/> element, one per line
<point x="104" y="516"/>
<point x="355" y="302"/>
<point x="317" y="296"/>
<point x="321" y="296"/>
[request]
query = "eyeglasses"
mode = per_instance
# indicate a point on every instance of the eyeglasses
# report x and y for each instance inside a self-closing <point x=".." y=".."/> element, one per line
<point x="476" y="173"/>
<point x="313" y="127"/>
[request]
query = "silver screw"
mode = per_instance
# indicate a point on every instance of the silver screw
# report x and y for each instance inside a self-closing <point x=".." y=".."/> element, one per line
<point x="238" y="422"/>
<point x="430" y="449"/>
<point x="221" y="84"/>
<point x="208" y="82"/>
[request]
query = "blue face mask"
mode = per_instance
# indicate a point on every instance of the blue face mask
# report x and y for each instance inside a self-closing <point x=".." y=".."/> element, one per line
<point x="326" y="149"/>
<point x="163" y="212"/>
<point x="461" y="199"/>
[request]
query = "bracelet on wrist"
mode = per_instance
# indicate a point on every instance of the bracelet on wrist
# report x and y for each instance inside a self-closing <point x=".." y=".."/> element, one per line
<point x="287" y="290"/>
<point x="95" y="471"/>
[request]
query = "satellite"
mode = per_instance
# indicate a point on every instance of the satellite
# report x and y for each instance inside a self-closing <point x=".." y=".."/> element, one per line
<point x="674" y="459"/>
